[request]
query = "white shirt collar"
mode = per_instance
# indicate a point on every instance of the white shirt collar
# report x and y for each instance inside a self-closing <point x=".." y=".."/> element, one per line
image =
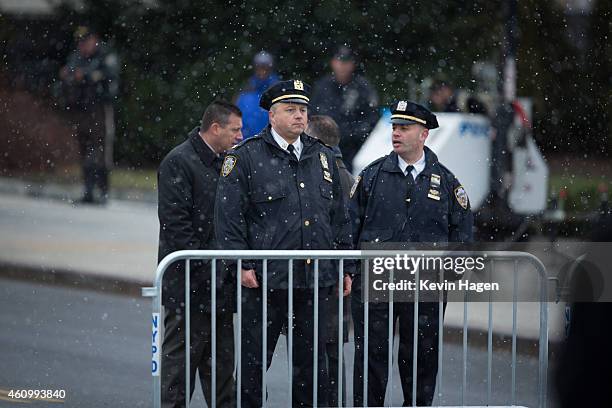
<point x="211" y="149"/>
<point x="418" y="166"/>
<point x="297" y="145"/>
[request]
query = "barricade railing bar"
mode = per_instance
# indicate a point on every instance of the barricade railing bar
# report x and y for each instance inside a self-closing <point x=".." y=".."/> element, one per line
<point x="341" y="256"/>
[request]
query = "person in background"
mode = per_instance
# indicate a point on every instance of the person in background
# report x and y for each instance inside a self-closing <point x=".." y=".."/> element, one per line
<point x="255" y="118"/>
<point x="187" y="180"/>
<point x="325" y="129"/>
<point x="444" y="98"/>
<point x="89" y="83"/>
<point x="349" y="99"/>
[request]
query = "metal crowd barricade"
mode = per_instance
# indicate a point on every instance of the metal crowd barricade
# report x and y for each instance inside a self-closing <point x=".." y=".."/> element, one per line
<point x="316" y="255"/>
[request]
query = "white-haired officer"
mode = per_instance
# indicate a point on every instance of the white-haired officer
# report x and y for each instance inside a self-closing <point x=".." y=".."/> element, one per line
<point x="281" y="190"/>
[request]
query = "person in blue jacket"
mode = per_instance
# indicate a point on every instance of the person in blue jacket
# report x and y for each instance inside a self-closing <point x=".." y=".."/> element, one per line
<point x="255" y="118"/>
<point x="406" y="196"/>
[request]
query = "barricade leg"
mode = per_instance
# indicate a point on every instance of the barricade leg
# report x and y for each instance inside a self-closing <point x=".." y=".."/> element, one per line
<point x="441" y="308"/>
<point x="187" y="333"/>
<point x="239" y="333"/>
<point x="390" y="326"/>
<point x="261" y="326"/>
<point x="315" y="353"/>
<point x="490" y="339"/>
<point x="514" y="316"/>
<point x="290" y="333"/>
<point x="357" y="311"/>
<point x="340" y="394"/>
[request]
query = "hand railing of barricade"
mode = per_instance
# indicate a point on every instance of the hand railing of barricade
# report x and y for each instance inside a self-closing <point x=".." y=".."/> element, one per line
<point x="340" y="256"/>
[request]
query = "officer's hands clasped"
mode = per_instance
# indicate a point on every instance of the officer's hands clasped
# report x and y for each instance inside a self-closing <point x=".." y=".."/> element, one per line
<point x="249" y="279"/>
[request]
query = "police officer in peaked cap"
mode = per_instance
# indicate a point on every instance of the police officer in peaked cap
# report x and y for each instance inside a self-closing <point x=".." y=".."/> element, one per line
<point x="407" y="196"/>
<point x="281" y="190"/>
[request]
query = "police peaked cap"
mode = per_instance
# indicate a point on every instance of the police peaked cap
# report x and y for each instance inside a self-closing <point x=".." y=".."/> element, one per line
<point x="293" y="91"/>
<point x="408" y="113"/>
<point x="82" y="32"/>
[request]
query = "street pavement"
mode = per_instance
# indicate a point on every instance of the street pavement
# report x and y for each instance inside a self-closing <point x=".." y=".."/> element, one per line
<point x="116" y="246"/>
<point x="117" y="242"/>
<point x="96" y="347"/>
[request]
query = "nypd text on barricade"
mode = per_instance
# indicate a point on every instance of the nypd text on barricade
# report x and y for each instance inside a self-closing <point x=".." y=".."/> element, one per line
<point x="155" y="345"/>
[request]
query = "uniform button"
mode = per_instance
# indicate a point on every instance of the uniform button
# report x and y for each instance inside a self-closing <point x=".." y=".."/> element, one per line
<point x="306" y="223"/>
<point x="308" y="261"/>
<point x="302" y="185"/>
<point x="269" y="198"/>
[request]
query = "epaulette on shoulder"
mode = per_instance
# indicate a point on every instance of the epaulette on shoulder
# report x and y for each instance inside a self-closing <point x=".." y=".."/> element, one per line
<point x="323" y="143"/>
<point x="369" y="172"/>
<point x="245" y="141"/>
<point x="447" y="171"/>
<point x="374" y="163"/>
<point x="314" y="139"/>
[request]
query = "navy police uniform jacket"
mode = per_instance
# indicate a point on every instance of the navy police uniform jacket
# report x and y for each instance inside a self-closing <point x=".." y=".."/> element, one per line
<point x="354" y="106"/>
<point x="267" y="199"/>
<point x="438" y="209"/>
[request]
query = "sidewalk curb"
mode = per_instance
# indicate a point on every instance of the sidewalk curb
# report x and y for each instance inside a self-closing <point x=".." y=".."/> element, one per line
<point x="68" y="193"/>
<point x="126" y="287"/>
<point x="72" y="279"/>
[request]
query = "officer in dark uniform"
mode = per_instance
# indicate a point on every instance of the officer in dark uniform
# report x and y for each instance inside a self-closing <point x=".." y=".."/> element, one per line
<point x="281" y="190"/>
<point x="406" y="196"/>
<point x="90" y="84"/>
<point x="349" y="99"/>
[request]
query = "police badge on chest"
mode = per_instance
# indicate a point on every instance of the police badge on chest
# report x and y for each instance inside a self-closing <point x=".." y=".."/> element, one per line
<point x="434" y="187"/>
<point x="325" y="166"/>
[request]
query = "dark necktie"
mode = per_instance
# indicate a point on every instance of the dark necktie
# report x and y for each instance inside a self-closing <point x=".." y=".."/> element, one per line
<point x="409" y="183"/>
<point x="291" y="150"/>
<point x="408" y="174"/>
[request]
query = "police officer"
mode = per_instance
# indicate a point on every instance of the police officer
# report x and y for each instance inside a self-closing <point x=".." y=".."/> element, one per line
<point x="281" y="190"/>
<point x="406" y="196"/>
<point x="90" y="84"/>
<point x="349" y="99"/>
